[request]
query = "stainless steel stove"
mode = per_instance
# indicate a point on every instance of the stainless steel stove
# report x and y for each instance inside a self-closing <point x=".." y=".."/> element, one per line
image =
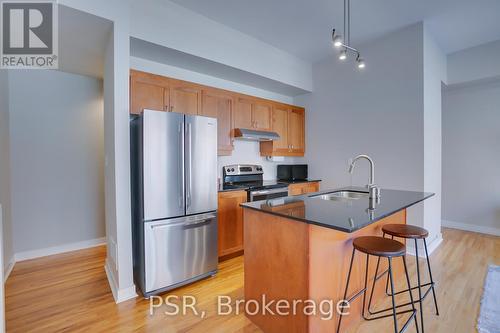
<point x="250" y="177"/>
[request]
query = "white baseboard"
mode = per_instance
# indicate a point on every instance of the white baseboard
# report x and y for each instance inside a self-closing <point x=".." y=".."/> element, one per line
<point x="431" y="247"/>
<point x="9" y="268"/>
<point x="26" y="255"/>
<point x="120" y="295"/>
<point x="471" y="227"/>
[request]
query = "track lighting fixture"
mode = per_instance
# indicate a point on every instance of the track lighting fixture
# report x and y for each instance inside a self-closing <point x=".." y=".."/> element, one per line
<point x="344" y="43"/>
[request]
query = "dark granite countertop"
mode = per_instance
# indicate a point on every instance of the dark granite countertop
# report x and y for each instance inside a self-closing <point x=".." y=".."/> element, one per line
<point x="300" y="181"/>
<point x="343" y="215"/>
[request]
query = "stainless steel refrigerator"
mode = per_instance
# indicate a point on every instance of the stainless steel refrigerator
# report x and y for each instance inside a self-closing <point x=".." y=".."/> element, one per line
<point x="174" y="199"/>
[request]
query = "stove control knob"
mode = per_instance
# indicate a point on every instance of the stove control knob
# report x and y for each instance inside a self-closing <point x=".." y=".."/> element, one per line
<point x="228" y="170"/>
<point x="232" y="169"/>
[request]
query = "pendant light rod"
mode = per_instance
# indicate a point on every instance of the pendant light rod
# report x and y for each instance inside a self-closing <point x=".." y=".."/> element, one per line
<point x="344" y="42"/>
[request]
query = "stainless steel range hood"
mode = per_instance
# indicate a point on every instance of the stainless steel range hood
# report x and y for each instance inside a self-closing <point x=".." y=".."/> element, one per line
<point x="253" y="135"/>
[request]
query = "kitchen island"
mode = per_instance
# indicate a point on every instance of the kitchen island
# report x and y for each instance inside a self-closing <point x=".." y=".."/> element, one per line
<point x="298" y="249"/>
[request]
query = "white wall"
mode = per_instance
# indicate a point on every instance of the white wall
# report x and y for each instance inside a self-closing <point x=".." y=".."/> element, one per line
<point x="434" y="76"/>
<point x="378" y="111"/>
<point x="56" y="133"/>
<point x="5" y="196"/>
<point x="168" y="24"/>
<point x="119" y="264"/>
<point x="474" y="64"/>
<point x="471" y="159"/>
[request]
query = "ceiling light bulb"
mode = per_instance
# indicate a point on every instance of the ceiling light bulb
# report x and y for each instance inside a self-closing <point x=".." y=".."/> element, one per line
<point x="337" y="41"/>
<point x="361" y="63"/>
<point x="343" y="55"/>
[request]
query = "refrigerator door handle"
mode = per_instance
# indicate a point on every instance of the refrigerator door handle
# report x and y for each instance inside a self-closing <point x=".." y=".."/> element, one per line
<point x="182" y="194"/>
<point x="189" y="166"/>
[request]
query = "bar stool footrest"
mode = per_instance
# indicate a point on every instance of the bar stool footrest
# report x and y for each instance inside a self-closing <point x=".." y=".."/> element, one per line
<point x="405" y="326"/>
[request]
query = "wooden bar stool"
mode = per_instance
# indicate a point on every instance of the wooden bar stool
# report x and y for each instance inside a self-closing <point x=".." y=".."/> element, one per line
<point x="408" y="231"/>
<point x="381" y="248"/>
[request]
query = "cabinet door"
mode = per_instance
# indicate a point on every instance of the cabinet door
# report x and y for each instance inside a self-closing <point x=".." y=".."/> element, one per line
<point x="261" y="116"/>
<point x="303" y="188"/>
<point x="185" y="98"/>
<point x="243" y="114"/>
<point x="230" y="217"/>
<point x="220" y="107"/>
<point x="280" y="126"/>
<point x="147" y="95"/>
<point x="296" y="131"/>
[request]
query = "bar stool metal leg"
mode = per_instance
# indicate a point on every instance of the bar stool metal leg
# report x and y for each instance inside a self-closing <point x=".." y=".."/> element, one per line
<point x="387" y="280"/>
<point x="346" y="288"/>
<point x="419" y="287"/>
<point x="411" y="294"/>
<point x="430" y="276"/>
<point x="392" y="295"/>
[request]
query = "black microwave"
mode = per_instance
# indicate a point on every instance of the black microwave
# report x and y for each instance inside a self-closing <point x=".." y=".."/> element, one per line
<point x="292" y="172"/>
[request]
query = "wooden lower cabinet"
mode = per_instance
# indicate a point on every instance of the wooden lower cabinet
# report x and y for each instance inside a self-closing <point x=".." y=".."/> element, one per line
<point x="303" y="188"/>
<point x="230" y="221"/>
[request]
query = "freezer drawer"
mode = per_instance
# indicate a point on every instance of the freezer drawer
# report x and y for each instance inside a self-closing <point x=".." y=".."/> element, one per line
<point x="179" y="249"/>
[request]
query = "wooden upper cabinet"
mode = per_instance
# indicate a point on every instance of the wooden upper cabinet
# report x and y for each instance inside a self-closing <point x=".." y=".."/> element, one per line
<point x="261" y="116"/>
<point x="280" y="126"/>
<point x="296" y="130"/>
<point x="184" y="98"/>
<point x="289" y="123"/>
<point x="232" y="110"/>
<point x="252" y="113"/>
<point x="243" y="114"/>
<point x="220" y="106"/>
<point x="148" y="91"/>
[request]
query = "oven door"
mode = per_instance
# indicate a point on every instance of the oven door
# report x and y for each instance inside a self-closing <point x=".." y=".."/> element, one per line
<point x="268" y="194"/>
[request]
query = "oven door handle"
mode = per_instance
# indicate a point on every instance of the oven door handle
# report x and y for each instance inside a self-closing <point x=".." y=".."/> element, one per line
<point x="264" y="192"/>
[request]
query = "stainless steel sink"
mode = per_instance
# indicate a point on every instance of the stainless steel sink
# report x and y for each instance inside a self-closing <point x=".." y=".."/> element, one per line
<point x="342" y="195"/>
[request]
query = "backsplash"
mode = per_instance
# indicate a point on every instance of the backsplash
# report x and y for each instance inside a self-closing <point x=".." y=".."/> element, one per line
<point x="248" y="152"/>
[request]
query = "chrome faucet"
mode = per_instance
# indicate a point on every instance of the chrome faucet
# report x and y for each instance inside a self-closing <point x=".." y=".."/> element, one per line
<point x="372" y="188"/>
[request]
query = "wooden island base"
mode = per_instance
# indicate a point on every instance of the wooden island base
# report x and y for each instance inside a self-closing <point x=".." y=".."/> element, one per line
<point x="286" y="259"/>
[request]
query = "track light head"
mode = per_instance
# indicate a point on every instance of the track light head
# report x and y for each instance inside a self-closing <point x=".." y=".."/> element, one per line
<point x="337" y="39"/>
<point x="343" y="55"/>
<point x="361" y="62"/>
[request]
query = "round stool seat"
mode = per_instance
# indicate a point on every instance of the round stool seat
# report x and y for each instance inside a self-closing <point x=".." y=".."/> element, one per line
<point x="378" y="246"/>
<point x="405" y="231"/>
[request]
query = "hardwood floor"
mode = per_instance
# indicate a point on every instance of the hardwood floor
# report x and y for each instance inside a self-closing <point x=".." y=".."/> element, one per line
<point x="70" y="293"/>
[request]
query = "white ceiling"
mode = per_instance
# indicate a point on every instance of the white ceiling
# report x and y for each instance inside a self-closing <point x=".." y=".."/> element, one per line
<point x="82" y="42"/>
<point x="303" y="27"/>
